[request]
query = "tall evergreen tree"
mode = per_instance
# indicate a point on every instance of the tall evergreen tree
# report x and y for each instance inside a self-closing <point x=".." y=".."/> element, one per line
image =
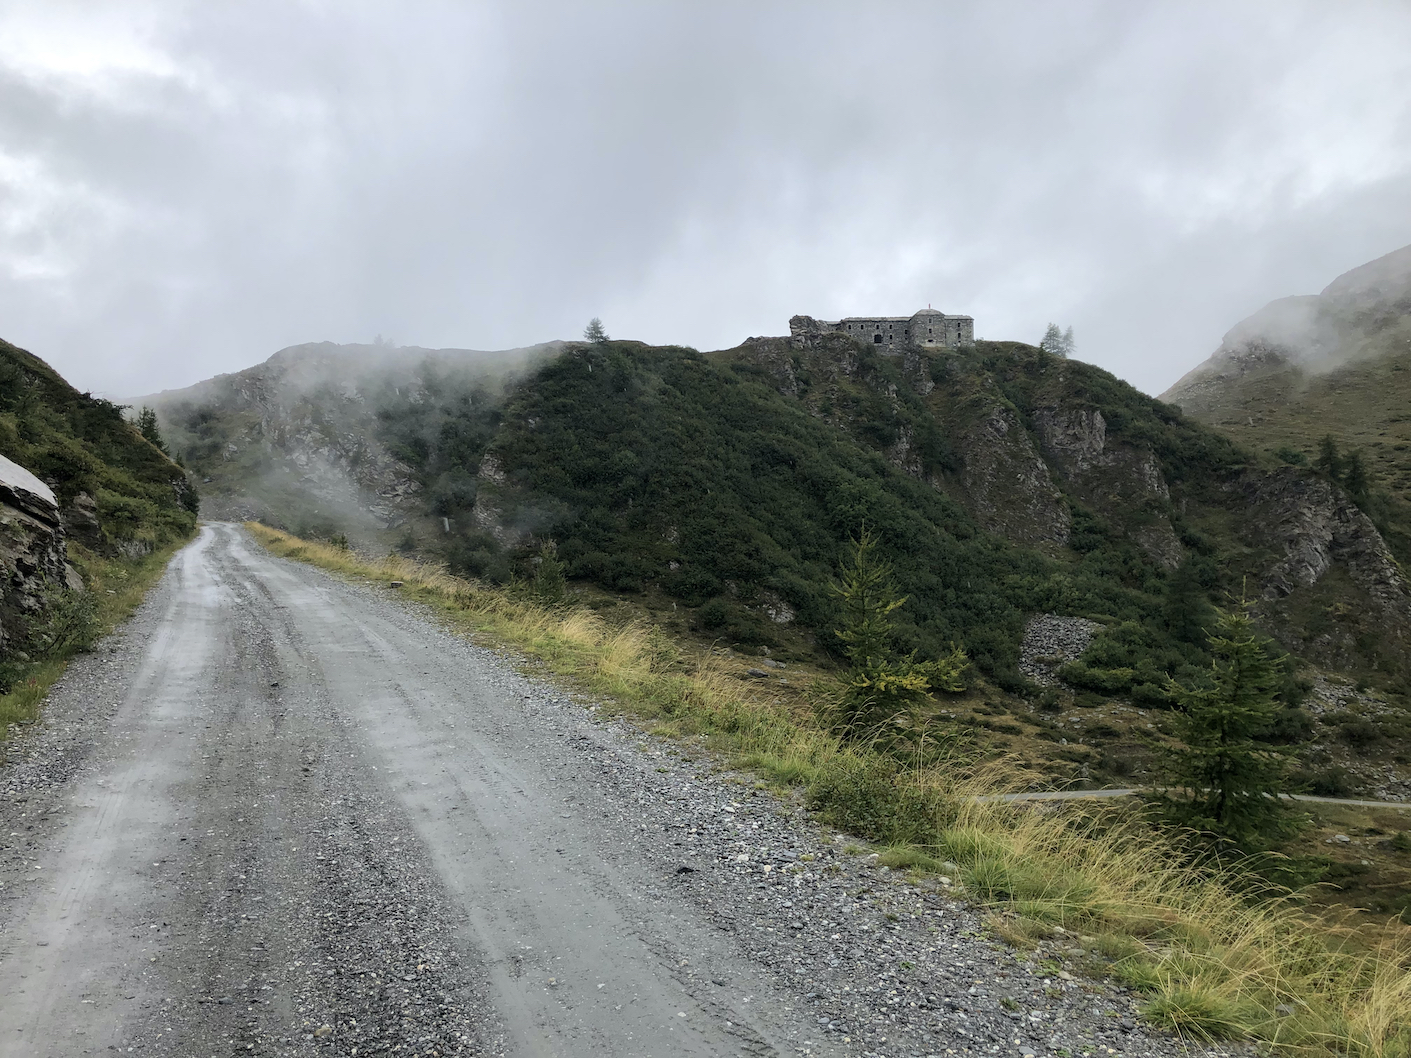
<point x="1056" y="341"/>
<point x="1230" y="778"/>
<point x="148" y="428"/>
<point x="1355" y="477"/>
<point x="1186" y="608"/>
<point x="550" y="585"/>
<point x="594" y="332"/>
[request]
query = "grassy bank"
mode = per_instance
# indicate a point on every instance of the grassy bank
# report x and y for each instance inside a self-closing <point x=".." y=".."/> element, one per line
<point x="116" y="587"/>
<point x="1211" y="961"/>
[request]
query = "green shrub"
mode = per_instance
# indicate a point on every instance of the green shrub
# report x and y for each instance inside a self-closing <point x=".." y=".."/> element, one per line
<point x="870" y="795"/>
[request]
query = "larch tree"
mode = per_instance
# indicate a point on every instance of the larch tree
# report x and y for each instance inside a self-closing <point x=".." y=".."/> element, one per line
<point x="882" y="688"/>
<point x="1225" y="779"/>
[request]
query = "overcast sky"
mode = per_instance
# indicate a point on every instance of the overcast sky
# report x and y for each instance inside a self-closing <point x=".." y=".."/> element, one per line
<point x="187" y="187"/>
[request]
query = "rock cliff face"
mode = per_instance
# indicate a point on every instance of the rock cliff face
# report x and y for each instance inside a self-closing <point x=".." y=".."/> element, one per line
<point x="1317" y="525"/>
<point x="1008" y="485"/>
<point x="1018" y="467"/>
<point x="300" y="431"/>
<point x="33" y="555"/>
<point x="1111" y="475"/>
<point x="302" y="440"/>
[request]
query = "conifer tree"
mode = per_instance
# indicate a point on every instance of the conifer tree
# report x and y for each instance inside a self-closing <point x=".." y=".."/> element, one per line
<point x="1056" y="341"/>
<point x="594" y="332"/>
<point x="1232" y="778"/>
<point x="1186" y="608"/>
<point x="1354" y="476"/>
<point x="550" y="585"/>
<point x="147" y="427"/>
<point x="881" y="687"/>
<point x="1329" y="461"/>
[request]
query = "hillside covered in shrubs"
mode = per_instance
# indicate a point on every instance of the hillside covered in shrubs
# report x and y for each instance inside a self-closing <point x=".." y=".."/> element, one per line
<point x="999" y="481"/>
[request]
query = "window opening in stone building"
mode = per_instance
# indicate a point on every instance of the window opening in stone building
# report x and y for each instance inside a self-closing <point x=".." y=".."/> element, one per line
<point x="876" y="339"/>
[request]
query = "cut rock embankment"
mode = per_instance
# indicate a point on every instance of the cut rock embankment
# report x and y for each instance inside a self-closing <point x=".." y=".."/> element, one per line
<point x="33" y="551"/>
<point x="343" y="827"/>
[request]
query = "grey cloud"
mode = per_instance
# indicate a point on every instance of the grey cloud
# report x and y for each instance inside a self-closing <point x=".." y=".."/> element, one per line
<point x="492" y="175"/>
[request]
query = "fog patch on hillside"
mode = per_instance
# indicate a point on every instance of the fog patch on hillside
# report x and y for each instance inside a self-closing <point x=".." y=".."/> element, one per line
<point x="1362" y="315"/>
<point x="328" y="439"/>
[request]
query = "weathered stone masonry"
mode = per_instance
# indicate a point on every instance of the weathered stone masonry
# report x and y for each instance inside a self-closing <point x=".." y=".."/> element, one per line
<point x="926" y="329"/>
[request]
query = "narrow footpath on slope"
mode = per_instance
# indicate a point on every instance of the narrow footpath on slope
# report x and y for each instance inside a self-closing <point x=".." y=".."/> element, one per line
<point x="280" y="814"/>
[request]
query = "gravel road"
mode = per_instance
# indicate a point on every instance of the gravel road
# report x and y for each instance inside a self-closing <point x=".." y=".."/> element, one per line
<point x="278" y="814"/>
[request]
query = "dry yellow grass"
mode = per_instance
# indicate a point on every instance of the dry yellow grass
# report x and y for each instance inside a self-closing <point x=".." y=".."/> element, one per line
<point x="1213" y="962"/>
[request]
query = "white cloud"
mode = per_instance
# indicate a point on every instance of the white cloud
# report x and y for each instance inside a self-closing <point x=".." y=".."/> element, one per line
<point x="202" y="183"/>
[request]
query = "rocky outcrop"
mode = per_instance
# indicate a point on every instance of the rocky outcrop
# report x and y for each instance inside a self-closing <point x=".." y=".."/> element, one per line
<point x="1112" y="476"/>
<point x="80" y="520"/>
<point x="1008" y="483"/>
<point x="33" y="554"/>
<point x="1317" y="525"/>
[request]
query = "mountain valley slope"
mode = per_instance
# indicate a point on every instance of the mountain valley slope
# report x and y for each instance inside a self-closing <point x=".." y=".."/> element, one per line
<point x="1336" y="364"/>
<point x="718" y="491"/>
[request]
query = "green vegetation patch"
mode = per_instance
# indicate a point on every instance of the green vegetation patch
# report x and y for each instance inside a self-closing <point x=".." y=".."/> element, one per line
<point x="82" y="444"/>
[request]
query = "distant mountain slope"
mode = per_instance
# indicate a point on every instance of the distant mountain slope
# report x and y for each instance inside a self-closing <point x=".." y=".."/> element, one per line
<point x="300" y="439"/>
<point x="1334" y="364"/>
<point x="1002" y="481"/>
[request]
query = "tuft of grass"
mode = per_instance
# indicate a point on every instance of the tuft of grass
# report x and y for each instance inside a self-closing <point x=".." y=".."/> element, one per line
<point x="1018" y="930"/>
<point x="909" y="858"/>
<point x="21" y="704"/>
<point x="1199" y="1012"/>
<point x="1215" y="960"/>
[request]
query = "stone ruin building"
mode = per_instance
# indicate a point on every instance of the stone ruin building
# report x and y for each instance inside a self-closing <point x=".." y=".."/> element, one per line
<point x="926" y="329"/>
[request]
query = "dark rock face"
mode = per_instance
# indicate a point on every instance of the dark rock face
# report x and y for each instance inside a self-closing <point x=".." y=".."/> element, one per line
<point x="1317" y="525"/>
<point x="80" y="521"/>
<point x="1009" y="486"/>
<point x="1110" y="476"/>
<point x="33" y="552"/>
<point x="1333" y="594"/>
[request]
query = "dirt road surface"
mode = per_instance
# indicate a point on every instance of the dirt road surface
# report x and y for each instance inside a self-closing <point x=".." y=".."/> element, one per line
<point x="280" y="814"/>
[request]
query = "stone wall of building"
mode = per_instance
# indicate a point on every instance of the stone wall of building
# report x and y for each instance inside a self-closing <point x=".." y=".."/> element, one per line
<point x="927" y="329"/>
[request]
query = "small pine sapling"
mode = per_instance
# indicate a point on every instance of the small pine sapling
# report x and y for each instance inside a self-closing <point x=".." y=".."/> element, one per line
<point x="882" y="688"/>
